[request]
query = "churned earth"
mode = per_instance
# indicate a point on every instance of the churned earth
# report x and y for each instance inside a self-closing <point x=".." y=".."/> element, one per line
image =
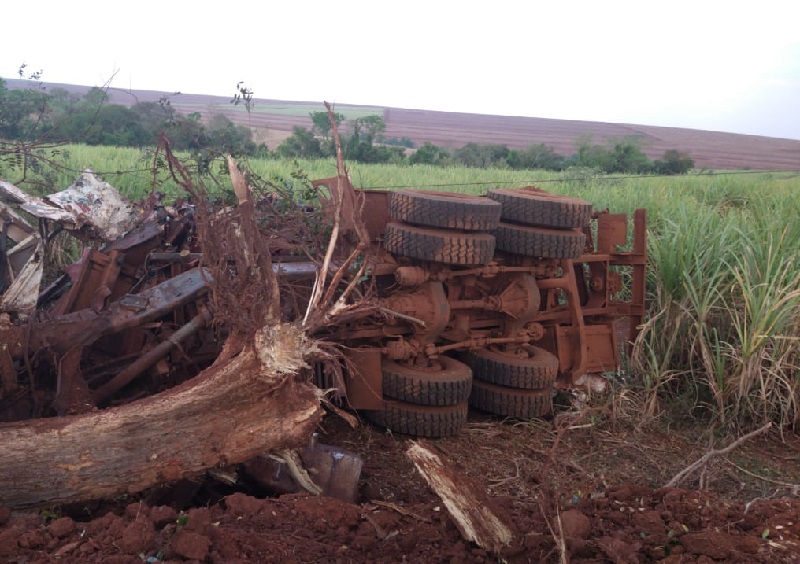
<point x="573" y="490"/>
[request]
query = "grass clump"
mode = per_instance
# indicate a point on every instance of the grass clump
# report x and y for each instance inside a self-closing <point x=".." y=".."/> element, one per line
<point x="722" y="334"/>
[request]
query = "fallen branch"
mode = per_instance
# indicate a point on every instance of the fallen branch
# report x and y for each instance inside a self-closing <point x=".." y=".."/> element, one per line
<point x="314" y="309"/>
<point x="400" y="510"/>
<point x="703" y="460"/>
<point x="793" y="487"/>
<point x="298" y="471"/>
<point x="347" y="208"/>
<point x="379" y="531"/>
<point x="557" y="538"/>
<point x="402" y="316"/>
<point x="468" y="505"/>
<point x="563" y="557"/>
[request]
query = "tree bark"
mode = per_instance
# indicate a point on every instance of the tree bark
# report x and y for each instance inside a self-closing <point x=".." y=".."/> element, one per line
<point x="236" y="409"/>
<point x="472" y="511"/>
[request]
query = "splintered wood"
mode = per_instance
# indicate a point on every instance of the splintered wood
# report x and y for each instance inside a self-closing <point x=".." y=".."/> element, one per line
<point x="466" y="502"/>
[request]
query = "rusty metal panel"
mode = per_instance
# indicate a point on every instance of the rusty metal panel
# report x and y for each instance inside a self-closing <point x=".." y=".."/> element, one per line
<point x="612" y="231"/>
<point x="376" y="211"/>
<point x="22" y="293"/>
<point x="364" y="379"/>
<point x="21" y="265"/>
<point x="603" y="352"/>
<point x="97" y="281"/>
<point x="132" y="310"/>
<point x="372" y="204"/>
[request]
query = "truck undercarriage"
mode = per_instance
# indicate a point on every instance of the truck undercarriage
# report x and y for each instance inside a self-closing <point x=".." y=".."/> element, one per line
<point x="485" y="301"/>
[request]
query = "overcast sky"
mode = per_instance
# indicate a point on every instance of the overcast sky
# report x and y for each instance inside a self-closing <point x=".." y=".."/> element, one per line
<point x="704" y="64"/>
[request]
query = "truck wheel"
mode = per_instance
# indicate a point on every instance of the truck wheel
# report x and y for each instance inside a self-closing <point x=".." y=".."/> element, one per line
<point x="532" y="369"/>
<point x="421" y="421"/>
<point x="449" y="385"/>
<point x="539" y="242"/>
<point x="439" y="245"/>
<point x="528" y="207"/>
<point x="445" y="210"/>
<point x="511" y="402"/>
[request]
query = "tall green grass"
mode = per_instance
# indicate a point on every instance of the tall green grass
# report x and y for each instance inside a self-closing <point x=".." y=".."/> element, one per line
<point x="724" y="291"/>
<point x="127" y="169"/>
<point x="722" y="330"/>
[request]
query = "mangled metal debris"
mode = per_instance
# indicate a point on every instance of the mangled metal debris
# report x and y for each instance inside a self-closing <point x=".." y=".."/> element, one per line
<point x="22" y="263"/>
<point x="90" y="208"/>
<point x="461" y="294"/>
<point x="89" y="205"/>
<point x="112" y="315"/>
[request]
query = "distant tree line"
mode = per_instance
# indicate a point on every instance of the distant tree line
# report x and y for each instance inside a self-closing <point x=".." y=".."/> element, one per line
<point x="363" y="141"/>
<point x="361" y="138"/>
<point x="59" y="116"/>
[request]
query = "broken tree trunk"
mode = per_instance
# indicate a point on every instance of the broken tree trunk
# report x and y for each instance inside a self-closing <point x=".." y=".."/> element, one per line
<point x="240" y="407"/>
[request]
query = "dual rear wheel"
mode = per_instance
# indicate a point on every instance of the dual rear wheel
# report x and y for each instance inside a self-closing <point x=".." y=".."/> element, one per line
<point x="463" y="230"/>
<point x="427" y="401"/>
<point x="538" y="224"/>
<point x="516" y="383"/>
<point x="432" y="401"/>
<point x="442" y="227"/>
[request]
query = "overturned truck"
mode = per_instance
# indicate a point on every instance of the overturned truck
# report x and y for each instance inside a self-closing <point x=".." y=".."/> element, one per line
<point x="490" y="301"/>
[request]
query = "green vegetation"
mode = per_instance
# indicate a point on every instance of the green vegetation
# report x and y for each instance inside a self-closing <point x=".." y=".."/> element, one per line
<point x="720" y="340"/>
<point x="34" y="114"/>
<point x="359" y="138"/>
<point x="429" y="154"/>
<point x="363" y="142"/>
<point x="725" y="296"/>
<point x="51" y="117"/>
<point x="322" y="122"/>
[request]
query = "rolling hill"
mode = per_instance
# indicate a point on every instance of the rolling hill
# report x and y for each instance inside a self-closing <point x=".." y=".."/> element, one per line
<point x="273" y="120"/>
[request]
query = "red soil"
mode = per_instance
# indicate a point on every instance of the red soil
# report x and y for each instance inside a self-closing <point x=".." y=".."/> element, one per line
<point x="603" y="487"/>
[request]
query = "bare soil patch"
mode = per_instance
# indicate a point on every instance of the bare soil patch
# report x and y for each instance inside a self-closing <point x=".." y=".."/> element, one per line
<point x="596" y="496"/>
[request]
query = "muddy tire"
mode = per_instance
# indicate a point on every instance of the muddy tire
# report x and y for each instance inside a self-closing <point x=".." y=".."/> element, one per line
<point x="449" y="386"/>
<point x="511" y="402"/>
<point x="533" y="369"/>
<point x="445" y="210"/>
<point x="528" y="207"/>
<point x="421" y="421"/>
<point x="439" y="245"/>
<point x="539" y="242"/>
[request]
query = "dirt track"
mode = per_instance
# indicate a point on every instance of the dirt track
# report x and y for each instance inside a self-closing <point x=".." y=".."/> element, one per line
<point x="602" y="484"/>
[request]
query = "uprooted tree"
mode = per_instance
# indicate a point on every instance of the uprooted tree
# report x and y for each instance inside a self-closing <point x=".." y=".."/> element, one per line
<point x="250" y="400"/>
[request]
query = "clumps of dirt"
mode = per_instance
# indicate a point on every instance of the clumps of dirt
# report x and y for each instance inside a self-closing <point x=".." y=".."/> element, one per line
<point x="599" y="501"/>
<point x="624" y="524"/>
<point x="292" y="528"/>
<point x="634" y="523"/>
